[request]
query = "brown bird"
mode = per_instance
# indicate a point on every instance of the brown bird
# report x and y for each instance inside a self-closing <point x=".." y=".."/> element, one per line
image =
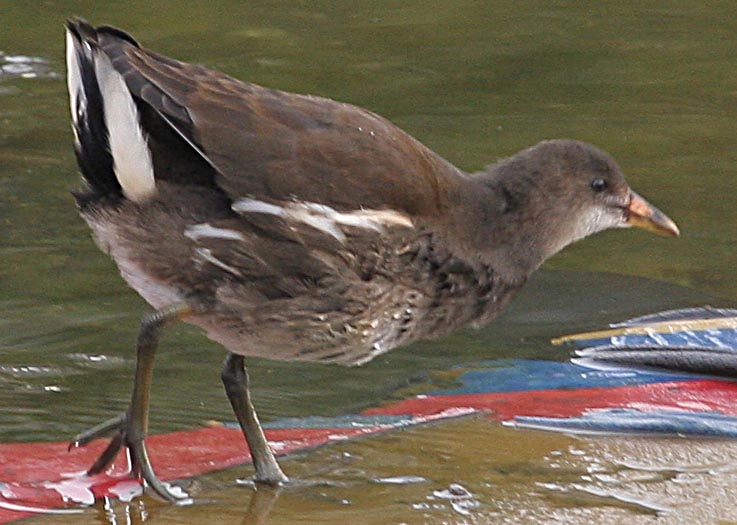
<point x="295" y="227"/>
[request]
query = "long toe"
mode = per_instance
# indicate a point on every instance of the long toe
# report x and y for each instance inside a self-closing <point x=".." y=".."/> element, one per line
<point x="108" y="455"/>
<point x="142" y="465"/>
<point x="104" y="429"/>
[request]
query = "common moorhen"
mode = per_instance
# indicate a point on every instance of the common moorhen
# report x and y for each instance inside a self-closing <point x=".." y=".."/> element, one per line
<point x="295" y="227"/>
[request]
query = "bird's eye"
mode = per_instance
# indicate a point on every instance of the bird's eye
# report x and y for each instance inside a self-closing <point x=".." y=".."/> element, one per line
<point x="598" y="185"/>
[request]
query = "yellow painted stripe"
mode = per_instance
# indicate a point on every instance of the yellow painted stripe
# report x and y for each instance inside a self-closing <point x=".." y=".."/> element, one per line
<point x="663" y="327"/>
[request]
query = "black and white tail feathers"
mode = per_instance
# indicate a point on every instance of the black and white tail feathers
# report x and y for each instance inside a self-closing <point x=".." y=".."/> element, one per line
<point x="109" y="141"/>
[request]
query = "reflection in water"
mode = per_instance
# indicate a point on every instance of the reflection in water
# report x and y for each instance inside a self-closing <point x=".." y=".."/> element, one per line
<point x="649" y="475"/>
<point x="22" y="509"/>
<point x="25" y="67"/>
<point x="653" y="83"/>
<point x="459" y="498"/>
<point x="260" y="506"/>
<point x="493" y="475"/>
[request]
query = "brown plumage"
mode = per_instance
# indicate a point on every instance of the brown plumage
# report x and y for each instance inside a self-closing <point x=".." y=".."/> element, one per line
<point x="295" y="227"/>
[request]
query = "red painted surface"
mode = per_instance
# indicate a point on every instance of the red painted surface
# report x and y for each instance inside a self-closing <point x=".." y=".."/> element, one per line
<point x="39" y="474"/>
<point x="697" y="396"/>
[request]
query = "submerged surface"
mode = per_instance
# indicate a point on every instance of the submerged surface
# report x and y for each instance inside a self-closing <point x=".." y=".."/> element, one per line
<point x="655" y="86"/>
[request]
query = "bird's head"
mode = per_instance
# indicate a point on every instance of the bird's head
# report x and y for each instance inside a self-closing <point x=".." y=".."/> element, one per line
<point x="557" y="192"/>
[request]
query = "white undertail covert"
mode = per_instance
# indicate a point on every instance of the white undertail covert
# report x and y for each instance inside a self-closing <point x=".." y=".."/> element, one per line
<point x="132" y="163"/>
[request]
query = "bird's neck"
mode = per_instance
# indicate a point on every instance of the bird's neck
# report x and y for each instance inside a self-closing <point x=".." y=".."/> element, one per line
<point x="502" y="227"/>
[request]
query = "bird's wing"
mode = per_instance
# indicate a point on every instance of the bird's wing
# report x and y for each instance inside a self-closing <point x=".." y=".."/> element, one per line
<point x="271" y="146"/>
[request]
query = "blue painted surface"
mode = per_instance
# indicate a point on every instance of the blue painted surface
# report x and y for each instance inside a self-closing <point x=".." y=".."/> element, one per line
<point x="719" y="338"/>
<point x="629" y="421"/>
<point x="348" y="421"/>
<point x="521" y="375"/>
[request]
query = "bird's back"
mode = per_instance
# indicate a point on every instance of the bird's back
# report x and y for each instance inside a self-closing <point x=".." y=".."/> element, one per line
<point x="264" y="143"/>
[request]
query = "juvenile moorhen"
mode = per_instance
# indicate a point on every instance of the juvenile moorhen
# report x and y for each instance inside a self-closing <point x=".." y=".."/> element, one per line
<point x="295" y="227"/>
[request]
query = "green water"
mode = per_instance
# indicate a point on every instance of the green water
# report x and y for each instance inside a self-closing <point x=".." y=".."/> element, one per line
<point x="654" y="83"/>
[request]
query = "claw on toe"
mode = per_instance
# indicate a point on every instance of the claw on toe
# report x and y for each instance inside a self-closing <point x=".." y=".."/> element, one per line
<point x="114" y="426"/>
<point x="140" y="465"/>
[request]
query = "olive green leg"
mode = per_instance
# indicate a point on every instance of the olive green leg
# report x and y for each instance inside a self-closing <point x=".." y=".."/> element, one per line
<point x="236" y="382"/>
<point x="130" y="429"/>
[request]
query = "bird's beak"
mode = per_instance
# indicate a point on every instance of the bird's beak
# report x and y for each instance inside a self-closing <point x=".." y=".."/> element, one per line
<point x="642" y="214"/>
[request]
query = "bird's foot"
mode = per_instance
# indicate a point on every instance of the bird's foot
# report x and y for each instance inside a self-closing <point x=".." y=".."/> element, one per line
<point x="269" y="474"/>
<point x="123" y="435"/>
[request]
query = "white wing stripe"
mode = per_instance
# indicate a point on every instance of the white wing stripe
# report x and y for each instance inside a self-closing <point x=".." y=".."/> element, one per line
<point x="205" y="230"/>
<point x="325" y="218"/>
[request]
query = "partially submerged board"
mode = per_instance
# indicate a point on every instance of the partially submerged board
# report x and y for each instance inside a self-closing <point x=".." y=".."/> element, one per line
<point x="46" y="477"/>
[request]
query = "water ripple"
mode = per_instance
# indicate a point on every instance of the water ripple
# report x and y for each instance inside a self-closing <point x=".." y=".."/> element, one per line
<point x="21" y="66"/>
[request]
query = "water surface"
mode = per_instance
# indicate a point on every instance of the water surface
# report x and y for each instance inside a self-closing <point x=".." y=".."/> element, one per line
<point x="653" y="83"/>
